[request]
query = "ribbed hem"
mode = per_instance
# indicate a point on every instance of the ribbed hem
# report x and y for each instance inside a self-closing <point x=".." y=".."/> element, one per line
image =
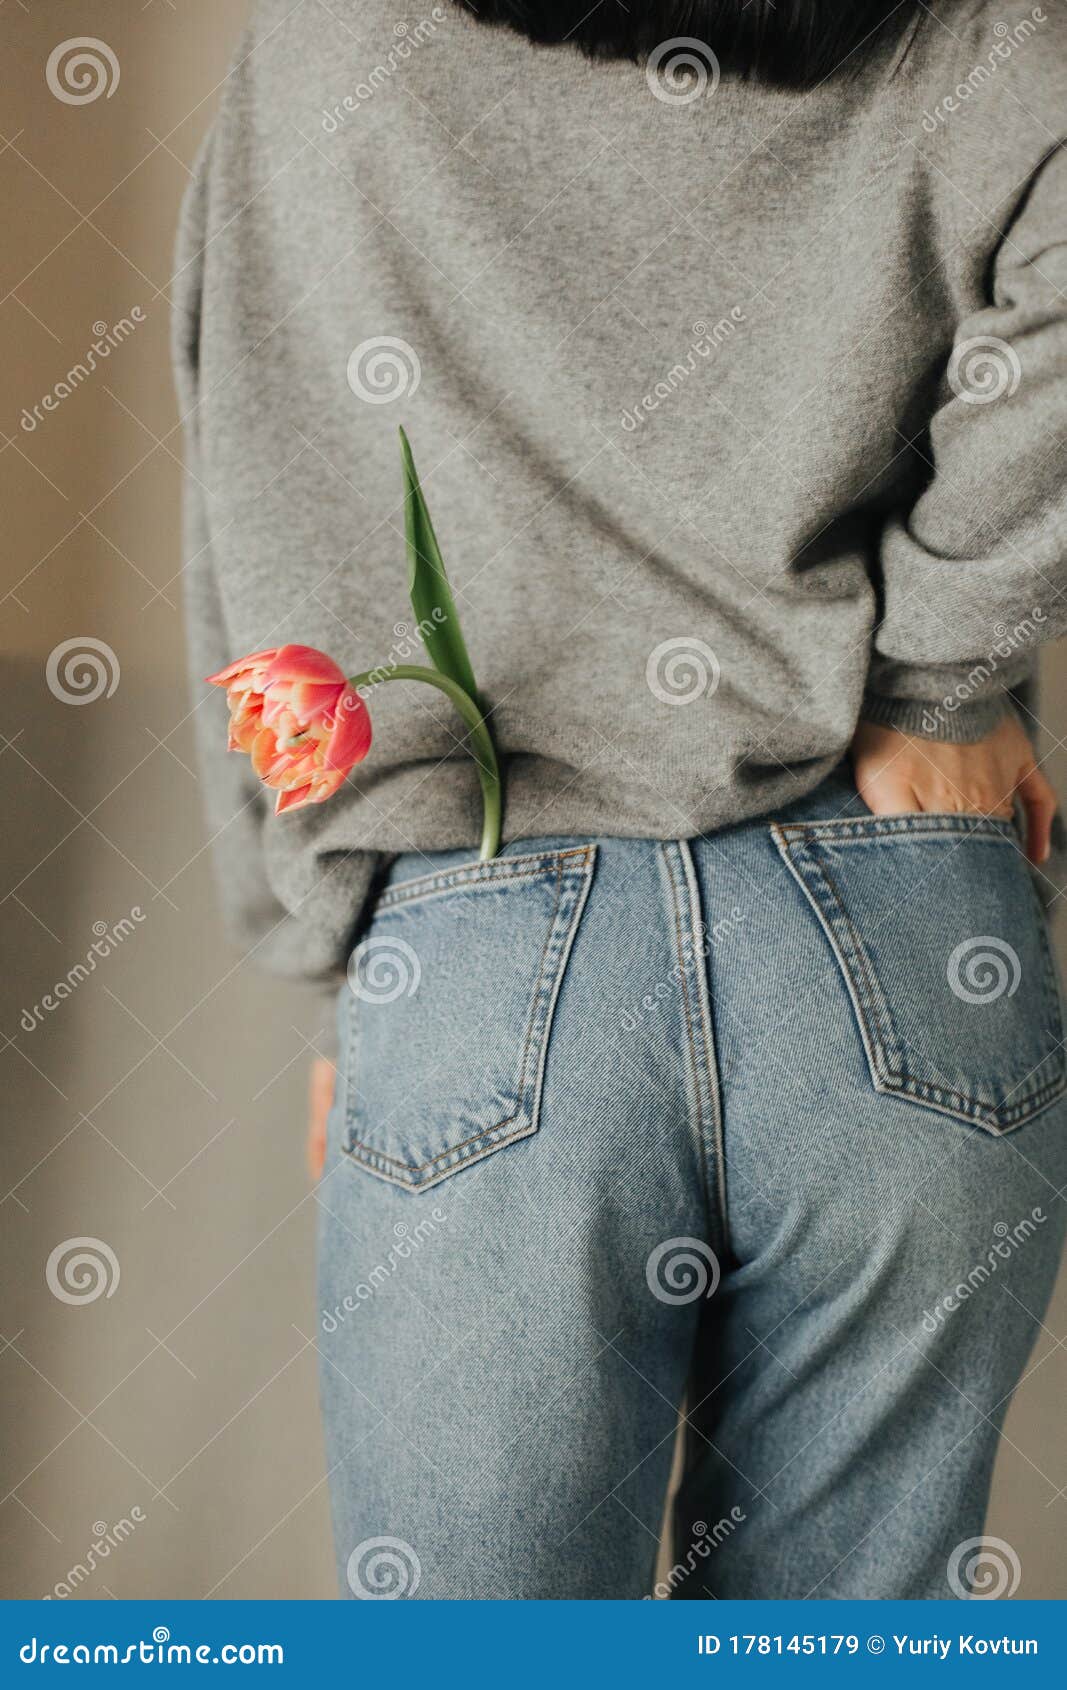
<point x="960" y="724"/>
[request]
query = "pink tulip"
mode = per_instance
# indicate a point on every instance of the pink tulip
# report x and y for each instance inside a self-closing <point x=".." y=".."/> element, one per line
<point x="295" y="714"/>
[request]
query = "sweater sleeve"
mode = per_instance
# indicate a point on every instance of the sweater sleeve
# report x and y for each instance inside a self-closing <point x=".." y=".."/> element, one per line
<point x="234" y="802"/>
<point x="974" y="576"/>
<point x="298" y="923"/>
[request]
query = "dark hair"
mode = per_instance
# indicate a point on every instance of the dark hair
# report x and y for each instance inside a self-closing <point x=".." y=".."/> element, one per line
<point x="792" y="43"/>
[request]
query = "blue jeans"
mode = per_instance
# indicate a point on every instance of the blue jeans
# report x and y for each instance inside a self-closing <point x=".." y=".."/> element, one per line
<point x="770" y="1125"/>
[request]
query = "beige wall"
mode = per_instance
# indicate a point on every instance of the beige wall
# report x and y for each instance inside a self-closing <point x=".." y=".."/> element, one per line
<point x="159" y="1108"/>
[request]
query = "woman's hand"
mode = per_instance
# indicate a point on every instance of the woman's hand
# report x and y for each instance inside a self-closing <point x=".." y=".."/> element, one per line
<point x="320" y="1097"/>
<point x="897" y="774"/>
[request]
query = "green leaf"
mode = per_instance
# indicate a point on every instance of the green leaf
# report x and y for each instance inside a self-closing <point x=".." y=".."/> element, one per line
<point x="431" y="595"/>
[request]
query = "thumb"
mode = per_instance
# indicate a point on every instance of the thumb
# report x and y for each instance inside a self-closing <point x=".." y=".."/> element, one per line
<point x="1039" y="801"/>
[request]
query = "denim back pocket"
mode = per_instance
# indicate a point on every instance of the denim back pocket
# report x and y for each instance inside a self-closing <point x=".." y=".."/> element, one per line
<point x="452" y="996"/>
<point x="944" y="950"/>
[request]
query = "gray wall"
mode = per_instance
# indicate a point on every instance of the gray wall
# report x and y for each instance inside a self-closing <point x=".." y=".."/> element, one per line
<point x="159" y="1108"/>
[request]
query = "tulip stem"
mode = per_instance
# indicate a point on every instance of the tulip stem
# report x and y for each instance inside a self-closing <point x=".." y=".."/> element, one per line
<point x="481" y="740"/>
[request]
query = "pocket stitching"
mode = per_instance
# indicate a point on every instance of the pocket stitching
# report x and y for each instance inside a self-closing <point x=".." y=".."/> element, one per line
<point x="586" y="853"/>
<point x="855" y="829"/>
<point x="882" y="1035"/>
<point x="468" y="874"/>
<point x="878" y="1046"/>
<point x="465" y="1162"/>
<point x="418" y="1167"/>
<point x="873" y="1040"/>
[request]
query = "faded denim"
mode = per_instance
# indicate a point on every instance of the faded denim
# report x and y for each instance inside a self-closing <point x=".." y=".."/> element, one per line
<point x="770" y="1123"/>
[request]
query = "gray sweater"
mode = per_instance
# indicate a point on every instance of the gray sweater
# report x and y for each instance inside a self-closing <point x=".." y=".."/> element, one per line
<point x="740" y="413"/>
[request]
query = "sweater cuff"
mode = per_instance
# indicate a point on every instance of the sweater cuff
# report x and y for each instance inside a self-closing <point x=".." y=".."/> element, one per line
<point x="960" y="724"/>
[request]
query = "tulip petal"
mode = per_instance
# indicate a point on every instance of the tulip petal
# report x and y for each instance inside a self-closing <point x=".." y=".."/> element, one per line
<point x="225" y="676"/>
<point x="264" y="752"/>
<point x="302" y="726"/>
<point x="303" y="663"/>
<point x="326" y="784"/>
<point x="350" y="737"/>
<point x="294" y="800"/>
<point x="306" y="701"/>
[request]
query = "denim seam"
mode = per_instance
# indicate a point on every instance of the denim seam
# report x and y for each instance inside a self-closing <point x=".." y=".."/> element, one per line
<point x="706" y="1142"/>
<point x="847" y="830"/>
<point x="885" y="1057"/>
<point x="357" y="1145"/>
<point x="418" y="1167"/>
<point x="710" y="1063"/>
<point x="587" y="863"/>
<point x="870" y="999"/>
<point x="476" y="875"/>
<point x="562" y="927"/>
<point x="527" y="1130"/>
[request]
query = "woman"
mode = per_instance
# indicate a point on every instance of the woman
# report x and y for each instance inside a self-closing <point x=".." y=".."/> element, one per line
<point x="732" y="349"/>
